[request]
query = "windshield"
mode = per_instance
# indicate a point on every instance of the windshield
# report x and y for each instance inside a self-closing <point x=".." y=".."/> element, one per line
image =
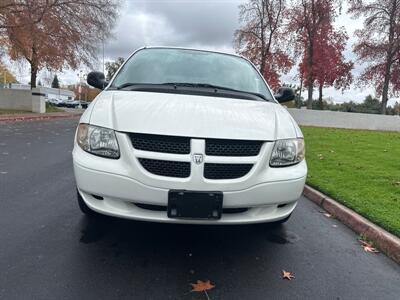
<point x="162" y="65"/>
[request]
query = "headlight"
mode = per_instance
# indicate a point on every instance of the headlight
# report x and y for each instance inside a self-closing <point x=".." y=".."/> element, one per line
<point x="287" y="152"/>
<point x="97" y="140"/>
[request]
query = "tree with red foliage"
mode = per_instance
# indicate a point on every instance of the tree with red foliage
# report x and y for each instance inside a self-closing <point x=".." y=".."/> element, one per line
<point x="310" y="21"/>
<point x="87" y="93"/>
<point x="55" y="33"/>
<point x="16" y="8"/>
<point x="330" y="67"/>
<point x="261" y="38"/>
<point x="379" y="45"/>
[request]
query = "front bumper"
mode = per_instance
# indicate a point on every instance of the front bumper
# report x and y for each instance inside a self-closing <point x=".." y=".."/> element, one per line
<point x="265" y="202"/>
<point x="267" y="194"/>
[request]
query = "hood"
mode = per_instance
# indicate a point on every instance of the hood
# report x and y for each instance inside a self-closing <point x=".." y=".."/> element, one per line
<point x="192" y="115"/>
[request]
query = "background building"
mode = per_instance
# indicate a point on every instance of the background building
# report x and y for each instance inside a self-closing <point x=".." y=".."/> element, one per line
<point x="50" y="93"/>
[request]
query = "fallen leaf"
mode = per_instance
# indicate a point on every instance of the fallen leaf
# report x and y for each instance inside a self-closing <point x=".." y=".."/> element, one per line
<point x="368" y="247"/>
<point x="334" y="225"/>
<point x="202" y="286"/>
<point x="328" y="215"/>
<point x="287" y="275"/>
<point x="363" y="242"/>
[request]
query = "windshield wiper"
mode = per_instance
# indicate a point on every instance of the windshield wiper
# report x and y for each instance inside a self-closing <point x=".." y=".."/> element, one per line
<point x="124" y="85"/>
<point x="190" y="85"/>
<point x="128" y="84"/>
<point x="216" y="87"/>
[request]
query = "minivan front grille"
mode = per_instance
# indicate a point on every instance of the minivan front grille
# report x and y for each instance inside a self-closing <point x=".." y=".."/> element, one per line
<point x="167" y="168"/>
<point x="226" y="171"/>
<point x="222" y="147"/>
<point x="180" y="166"/>
<point x="160" y="143"/>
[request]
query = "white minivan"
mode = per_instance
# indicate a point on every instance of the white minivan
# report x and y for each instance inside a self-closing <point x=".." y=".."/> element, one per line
<point x="188" y="136"/>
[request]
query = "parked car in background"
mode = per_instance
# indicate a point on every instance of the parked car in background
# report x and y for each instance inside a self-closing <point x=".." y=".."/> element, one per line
<point x="68" y="103"/>
<point x="74" y="104"/>
<point x="85" y="104"/>
<point x="54" y="101"/>
<point x="61" y="103"/>
<point x="188" y="136"/>
<point x="71" y="103"/>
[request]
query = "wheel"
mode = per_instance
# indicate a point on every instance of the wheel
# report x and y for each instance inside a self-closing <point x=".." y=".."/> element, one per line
<point x="83" y="206"/>
<point x="280" y="222"/>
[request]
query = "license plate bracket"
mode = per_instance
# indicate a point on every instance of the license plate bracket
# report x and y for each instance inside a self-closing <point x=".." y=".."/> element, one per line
<point x="183" y="204"/>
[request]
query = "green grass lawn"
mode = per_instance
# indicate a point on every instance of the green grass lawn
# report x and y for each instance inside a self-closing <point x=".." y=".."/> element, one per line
<point x="360" y="169"/>
<point x="49" y="109"/>
<point x="12" y="111"/>
<point x="52" y="108"/>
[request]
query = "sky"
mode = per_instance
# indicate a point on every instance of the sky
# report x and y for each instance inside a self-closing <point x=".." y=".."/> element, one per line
<point x="205" y="24"/>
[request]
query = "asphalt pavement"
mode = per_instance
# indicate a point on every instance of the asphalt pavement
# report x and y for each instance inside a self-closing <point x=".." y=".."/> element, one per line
<point x="49" y="250"/>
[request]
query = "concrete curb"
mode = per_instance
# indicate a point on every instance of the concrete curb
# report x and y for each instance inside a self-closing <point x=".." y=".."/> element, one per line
<point x="20" y="118"/>
<point x="385" y="241"/>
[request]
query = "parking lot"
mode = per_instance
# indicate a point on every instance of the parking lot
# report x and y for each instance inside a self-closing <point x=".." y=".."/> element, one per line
<point x="49" y="250"/>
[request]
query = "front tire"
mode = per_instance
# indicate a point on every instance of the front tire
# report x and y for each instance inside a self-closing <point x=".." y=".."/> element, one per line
<point x="280" y="222"/>
<point x="83" y="206"/>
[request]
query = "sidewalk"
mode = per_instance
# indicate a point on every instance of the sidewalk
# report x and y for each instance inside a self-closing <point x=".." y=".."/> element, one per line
<point x="36" y="116"/>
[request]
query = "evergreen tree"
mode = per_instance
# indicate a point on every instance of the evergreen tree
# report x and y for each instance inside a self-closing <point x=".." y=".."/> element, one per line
<point x="55" y="84"/>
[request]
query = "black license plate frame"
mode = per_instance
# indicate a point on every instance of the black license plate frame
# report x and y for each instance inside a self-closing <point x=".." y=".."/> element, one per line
<point x="200" y="205"/>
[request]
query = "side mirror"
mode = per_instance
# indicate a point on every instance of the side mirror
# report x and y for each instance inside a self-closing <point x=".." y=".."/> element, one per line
<point x="285" y="94"/>
<point x="97" y="80"/>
